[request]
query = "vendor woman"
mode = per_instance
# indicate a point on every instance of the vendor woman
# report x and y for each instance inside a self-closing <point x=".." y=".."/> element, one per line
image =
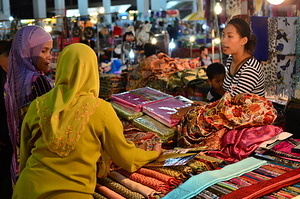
<point x="243" y="72"/>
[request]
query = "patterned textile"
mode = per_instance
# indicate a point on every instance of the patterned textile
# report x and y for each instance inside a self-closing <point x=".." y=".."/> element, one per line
<point x="286" y="35"/>
<point x="298" y="37"/>
<point x="119" y="188"/>
<point x="147" y="123"/>
<point x="147" y="181"/>
<point x="284" y="150"/>
<point x="208" y="162"/>
<point x="297" y="67"/>
<point x="240" y="111"/>
<point x="178" y="172"/>
<point x="108" y="192"/>
<point x="145" y="140"/>
<point x="233" y="7"/>
<point x="285" y="71"/>
<point x="111" y="84"/>
<point x="172" y="182"/>
<point x="270" y="73"/>
<point x="239" y="144"/>
<point x="197" y="183"/>
<point x="98" y="196"/>
<point x="155" y="68"/>
<point x="272" y="27"/>
<point x="266" y="186"/>
<point x="132" y="185"/>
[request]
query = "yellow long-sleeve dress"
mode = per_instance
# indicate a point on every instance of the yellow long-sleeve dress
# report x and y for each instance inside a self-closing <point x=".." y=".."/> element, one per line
<point x="74" y="176"/>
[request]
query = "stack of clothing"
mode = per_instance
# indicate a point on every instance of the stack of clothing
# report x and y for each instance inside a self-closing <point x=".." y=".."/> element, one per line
<point x="155" y="71"/>
<point x="111" y="84"/>
<point x="150" y="181"/>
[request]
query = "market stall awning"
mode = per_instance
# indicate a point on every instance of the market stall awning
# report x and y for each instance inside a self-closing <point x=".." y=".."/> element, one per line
<point x="193" y="17"/>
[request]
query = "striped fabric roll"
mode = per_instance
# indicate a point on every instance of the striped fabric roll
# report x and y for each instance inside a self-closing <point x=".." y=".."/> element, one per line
<point x="108" y="192"/>
<point x="178" y="174"/>
<point x="147" y="181"/>
<point x="132" y="185"/>
<point x="120" y="189"/>
<point x="172" y="182"/>
<point x="98" y="196"/>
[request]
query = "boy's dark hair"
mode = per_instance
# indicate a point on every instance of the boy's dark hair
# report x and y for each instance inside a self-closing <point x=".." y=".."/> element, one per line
<point x="215" y="69"/>
<point x="202" y="48"/>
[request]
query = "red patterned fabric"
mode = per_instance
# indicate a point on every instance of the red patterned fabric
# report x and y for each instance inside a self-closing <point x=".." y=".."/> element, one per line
<point x="266" y="187"/>
<point x="147" y="181"/>
<point x="142" y="139"/>
<point x="172" y="182"/>
<point x="238" y="112"/>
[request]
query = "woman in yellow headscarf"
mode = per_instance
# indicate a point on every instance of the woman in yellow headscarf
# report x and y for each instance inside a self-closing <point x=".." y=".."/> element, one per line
<point x="67" y="131"/>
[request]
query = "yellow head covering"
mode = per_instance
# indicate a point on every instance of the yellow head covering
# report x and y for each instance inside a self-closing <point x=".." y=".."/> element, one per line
<point x="65" y="110"/>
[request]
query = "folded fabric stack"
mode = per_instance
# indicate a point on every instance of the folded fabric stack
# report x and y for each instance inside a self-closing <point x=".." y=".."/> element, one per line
<point x="136" y="99"/>
<point x="155" y="71"/>
<point x="124" y="112"/>
<point x="147" y="123"/>
<point x="163" y="110"/>
<point x="111" y="84"/>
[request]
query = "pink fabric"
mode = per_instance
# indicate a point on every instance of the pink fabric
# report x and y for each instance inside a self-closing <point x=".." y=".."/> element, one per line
<point x="239" y="144"/>
<point x="286" y="147"/>
<point x="164" y="109"/>
<point x="136" y="99"/>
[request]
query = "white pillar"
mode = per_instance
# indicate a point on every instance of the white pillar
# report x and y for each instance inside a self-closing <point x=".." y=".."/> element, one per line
<point x="194" y="6"/>
<point x="83" y="7"/>
<point x="5" y="10"/>
<point x="107" y="4"/>
<point x="60" y="7"/>
<point x="39" y="9"/>
<point x="158" y="5"/>
<point x="143" y="7"/>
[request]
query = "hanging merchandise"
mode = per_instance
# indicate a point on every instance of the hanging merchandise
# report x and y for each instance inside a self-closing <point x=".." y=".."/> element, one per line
<point x="76" y="31"/>
<point x="89" y="32"/>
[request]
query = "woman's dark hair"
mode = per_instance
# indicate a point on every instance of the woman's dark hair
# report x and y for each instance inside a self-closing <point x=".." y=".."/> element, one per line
<point x="215" y="69"/>
<point x="244" y="30"/>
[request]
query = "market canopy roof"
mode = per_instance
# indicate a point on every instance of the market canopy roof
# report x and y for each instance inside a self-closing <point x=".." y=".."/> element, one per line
<point x="195" y="16"/>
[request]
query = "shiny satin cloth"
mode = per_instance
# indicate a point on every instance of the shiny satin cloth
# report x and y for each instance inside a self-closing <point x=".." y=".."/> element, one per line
<point x="239" y="144"/>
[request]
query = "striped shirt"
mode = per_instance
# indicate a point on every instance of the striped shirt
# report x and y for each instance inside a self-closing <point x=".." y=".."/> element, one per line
<point x="248" y="79"/>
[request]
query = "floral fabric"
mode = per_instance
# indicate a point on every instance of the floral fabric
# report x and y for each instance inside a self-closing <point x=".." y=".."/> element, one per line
<point x="241" y="111"/>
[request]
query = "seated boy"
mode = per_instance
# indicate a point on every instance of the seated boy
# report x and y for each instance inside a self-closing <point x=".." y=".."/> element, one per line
<point x="216" y="74"/>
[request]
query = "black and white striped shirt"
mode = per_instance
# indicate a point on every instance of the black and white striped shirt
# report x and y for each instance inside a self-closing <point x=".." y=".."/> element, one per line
<point x="248" y="79"/>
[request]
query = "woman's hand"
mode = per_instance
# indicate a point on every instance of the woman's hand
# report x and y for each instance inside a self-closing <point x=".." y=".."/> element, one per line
<point x="157" y="147"/>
